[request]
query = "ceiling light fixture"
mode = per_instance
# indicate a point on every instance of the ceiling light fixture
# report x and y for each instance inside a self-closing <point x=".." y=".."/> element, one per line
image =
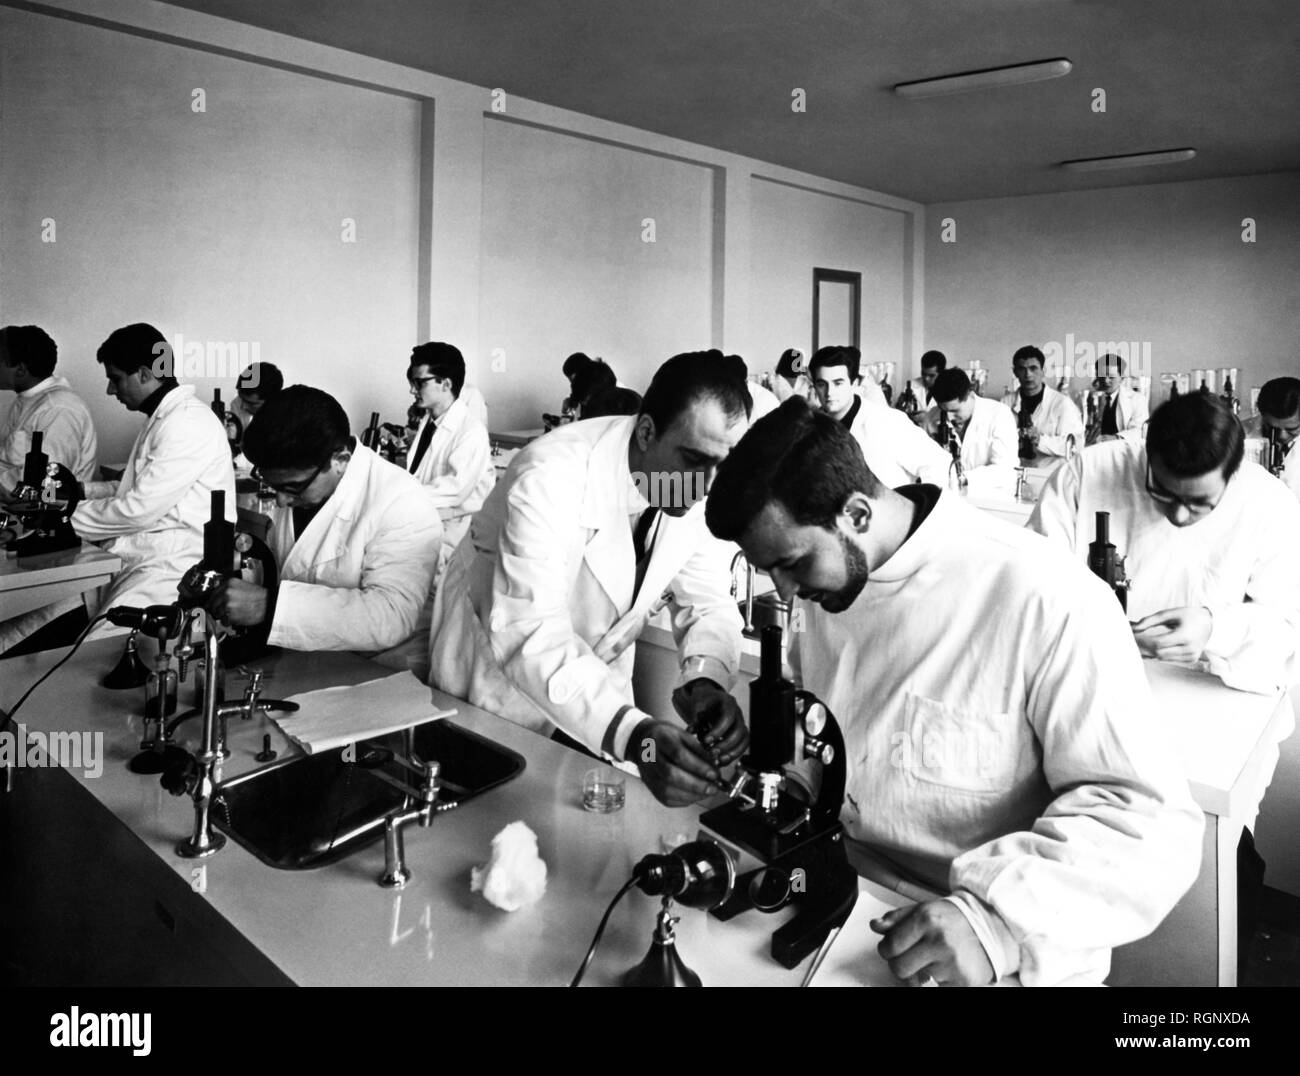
<point x="987" y="79"/>
<point x="1129" y="160"/>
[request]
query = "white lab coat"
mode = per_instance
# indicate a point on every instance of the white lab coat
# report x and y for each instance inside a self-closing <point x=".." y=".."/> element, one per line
<point x="358" y="576"/>
<point x="897" y="451"/>
<point x="990" y="448"/>
<point x="62" y="418"/>
<point x="1242" y="560"/>
<point x="1056" y="419"/>
<point x="153" y="518"/>
<point x="1290" y="460"/>
<point x="1131" y="413"/>
<point x="998" y="729"/>
<point x="534" y="618"/>
<point x="763" y="399"/>
<point x="456" y="472"/>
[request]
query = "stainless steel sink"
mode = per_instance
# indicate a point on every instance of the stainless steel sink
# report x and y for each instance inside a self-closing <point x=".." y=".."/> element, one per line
<point x="312" y="810"/>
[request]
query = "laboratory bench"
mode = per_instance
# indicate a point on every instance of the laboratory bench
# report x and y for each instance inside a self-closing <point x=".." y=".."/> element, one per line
<point x="39" y="581"/>
<point x="92" y="892"/>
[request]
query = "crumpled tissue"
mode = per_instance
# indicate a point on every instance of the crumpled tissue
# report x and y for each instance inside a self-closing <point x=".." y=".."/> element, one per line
<point x="515" y="874"/>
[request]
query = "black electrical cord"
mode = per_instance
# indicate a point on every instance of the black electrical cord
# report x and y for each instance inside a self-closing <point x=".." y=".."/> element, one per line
<point x="600" y="930"/>
<point x="8" y="718"/>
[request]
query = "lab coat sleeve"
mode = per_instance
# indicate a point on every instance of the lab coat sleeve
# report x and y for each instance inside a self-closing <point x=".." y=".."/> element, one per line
<point x="1120" y="842"/>
<point x="1071" y="424"/>
<point x="1132" y="431"/>
<point x="1056" y="514"/>
<point x="529" y="623"/>
<point x="466" y="463"/>
<point x="175" y="458"/>
<point x="706" y="621"/>
<point x="1004" y="449"/>
<point x="919" y="455"/>
<point x="382" y="611"/>
<point x="1253" y="643"/>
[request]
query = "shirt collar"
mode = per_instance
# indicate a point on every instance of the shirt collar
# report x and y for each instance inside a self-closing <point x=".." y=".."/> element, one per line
<point x="41" y="386"/>
<point x="150" y="405"/>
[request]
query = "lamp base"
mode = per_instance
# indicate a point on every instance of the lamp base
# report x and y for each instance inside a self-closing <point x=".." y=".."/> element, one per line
<point x="662" y="965"/>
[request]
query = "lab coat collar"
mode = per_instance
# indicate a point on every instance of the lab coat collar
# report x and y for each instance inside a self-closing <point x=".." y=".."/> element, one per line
<point x="324" y="538"/>
<point x="947" y="522"/>
<point x="171" y="400"/>
<point x="610" y="495"/>
<point x="40" y="387"/>
<point x="453" y="418"/>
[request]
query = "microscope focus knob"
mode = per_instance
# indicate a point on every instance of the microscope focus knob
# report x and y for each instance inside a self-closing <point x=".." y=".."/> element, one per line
<point x="819" y="751"/>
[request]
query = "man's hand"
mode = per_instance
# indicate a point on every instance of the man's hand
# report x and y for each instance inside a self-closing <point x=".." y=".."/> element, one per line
<point x="673" y="765"/>
<point x="932" y="941"/>
<point x="1031" y="434"/>
<point x="1176" y="635"/>
<point x="715" y="717"/>
<point x="238" y="603"/>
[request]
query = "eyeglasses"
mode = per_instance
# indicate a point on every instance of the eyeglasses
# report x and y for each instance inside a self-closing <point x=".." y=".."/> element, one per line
<point x="290" y="489"/>
<point x="1163" y="496"/>
<point x="417" y="383"/>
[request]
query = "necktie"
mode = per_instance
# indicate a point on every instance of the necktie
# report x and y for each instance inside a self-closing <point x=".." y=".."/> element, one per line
<point x="1108" y="418"/>
<point x="642" y="547"/>
<point x="426" y="435"/>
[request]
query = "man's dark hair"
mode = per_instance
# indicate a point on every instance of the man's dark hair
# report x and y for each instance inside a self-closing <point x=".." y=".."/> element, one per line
<point x="590" y="381"/>
<point x="849" y="357"/>
<point x="297" y="429"/>
<point x="137" y="347"/>
<point x="950" y="385"/>
<point x="612" y="401"/>
<point x="788" y="365"/>
<point x="1279" y="398"/>
<point x="444" y="362"/>
<point x="30" y="346"/>
<point x="1195" y="434"/>
<point x="1028" y="352"/>
<point x="801" y="459"/>
<point x="1107" y="361"/>
<point x="262" y="379"/>
<point x="692" y="376"/>
<point x="934" y="359"/>
<point x="575" y="362"/>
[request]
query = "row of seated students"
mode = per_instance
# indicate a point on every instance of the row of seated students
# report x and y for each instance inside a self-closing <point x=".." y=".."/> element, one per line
<point x="996" y="713"/>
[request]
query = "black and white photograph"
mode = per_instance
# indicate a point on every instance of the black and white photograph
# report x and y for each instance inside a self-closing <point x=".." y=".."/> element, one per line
<point x="765" y="493"/>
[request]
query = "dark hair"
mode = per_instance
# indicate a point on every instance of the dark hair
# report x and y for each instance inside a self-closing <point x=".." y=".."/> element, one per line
<point x="798" y="457"/>
<point x="786" y="365"/>
<point x="575" y="362"/>
<point x="612" y="401"/>
<point x="262" y="379"/>
<point x="590" y="381"/>
<point x="849" y="357"/>
<point x="692" y="376"/>
<point x="444" y="362"/>
<point x="934" y="358"/>
<point x="30" y="346"/>
<point x="950" y="385"/>
<point x="1028" y="352"/>
<point x="1280" y="397"/>
<point x="1108" y="360"/>
<point x="297" y="429"/>
<point x="137" y="347"/>
<point x="1195" y="434"/>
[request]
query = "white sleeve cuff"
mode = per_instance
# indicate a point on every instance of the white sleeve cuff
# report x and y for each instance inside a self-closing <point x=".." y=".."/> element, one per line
<point x="620" y="731"/>
<point x="709" y="668"/>
<point x="994" y="936"/>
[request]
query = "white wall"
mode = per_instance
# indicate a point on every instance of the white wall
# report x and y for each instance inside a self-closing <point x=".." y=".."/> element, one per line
<point x="223" y="226"/>
<point x="517" y="234"/>
<point x="795" y="230"/>
<point x="1163" y="263"/>
<point x="568" y="265"/>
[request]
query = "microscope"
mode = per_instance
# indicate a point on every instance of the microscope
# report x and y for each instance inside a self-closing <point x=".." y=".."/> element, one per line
<point x="790" y="851"/>
<point x="233" y="426"/>
<point x="1276" y="453"/>
<point x="42" y="507"/>
<point x="1106" y="563"/>
<point x="951" y="440"/>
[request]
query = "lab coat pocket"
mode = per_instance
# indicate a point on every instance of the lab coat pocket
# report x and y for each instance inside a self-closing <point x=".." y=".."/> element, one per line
<point x="969" y="750"/>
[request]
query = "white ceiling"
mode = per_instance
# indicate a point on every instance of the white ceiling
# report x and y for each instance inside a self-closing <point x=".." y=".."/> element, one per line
<point x="1220" y="76"/>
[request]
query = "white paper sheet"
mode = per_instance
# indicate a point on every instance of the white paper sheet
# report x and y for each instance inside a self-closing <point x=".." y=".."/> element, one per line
<point x="336" y="716"/>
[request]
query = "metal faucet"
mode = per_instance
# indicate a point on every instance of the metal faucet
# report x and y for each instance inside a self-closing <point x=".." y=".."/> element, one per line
<point x="202" y="782"/>
<point x="396" y="874"/>
<point x="749" y="588"/>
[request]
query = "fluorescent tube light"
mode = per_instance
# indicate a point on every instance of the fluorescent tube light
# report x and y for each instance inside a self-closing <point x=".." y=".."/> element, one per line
<point x="1129" y="160"/>
<point x="990" y="78"/>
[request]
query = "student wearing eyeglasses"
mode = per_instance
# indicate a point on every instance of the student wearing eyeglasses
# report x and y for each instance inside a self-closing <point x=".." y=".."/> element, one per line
<point x="1210" y="539"/>
<point x="449" y="454"/>
<point x="355" y="540"/>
